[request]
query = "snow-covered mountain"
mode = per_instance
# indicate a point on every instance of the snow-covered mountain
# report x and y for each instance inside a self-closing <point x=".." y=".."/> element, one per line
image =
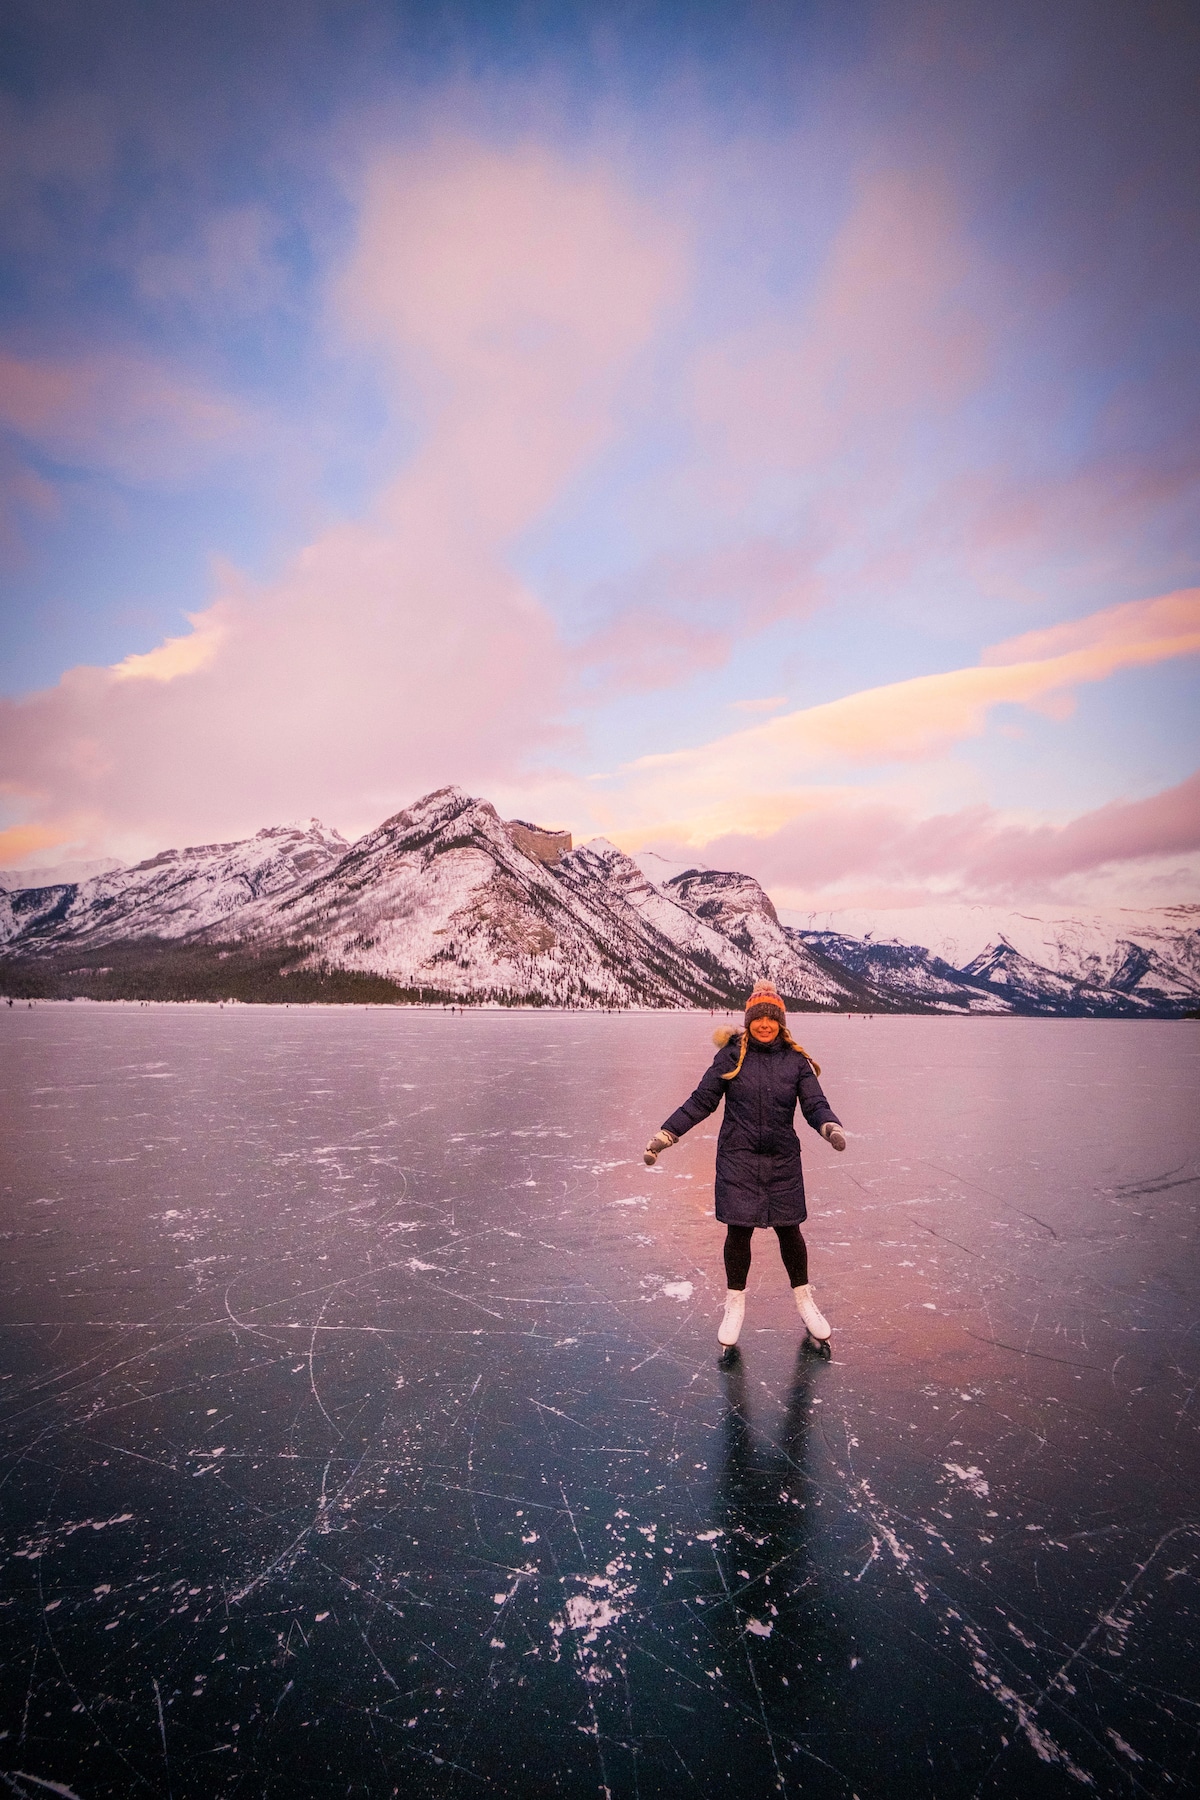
<point x="1150" y="953"/>
<point x="176" y="894"/>
<point x="1155" y="955"/>
<point x="1132" y="965"/>
<point x="905" y="973"/>
<point x="447" y="900"/>
<point x="59" y="875"/>
<point x="442" y="899"/>
<point x="738" y="909"/>
<point x="1002" y="966"/>
<point x="724" y="924"/>
<point x="660" y="869"/>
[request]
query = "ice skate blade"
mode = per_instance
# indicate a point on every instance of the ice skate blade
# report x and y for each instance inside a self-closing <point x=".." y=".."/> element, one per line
<point x="730" y="1357"/>
<point x="818" y="1347"/>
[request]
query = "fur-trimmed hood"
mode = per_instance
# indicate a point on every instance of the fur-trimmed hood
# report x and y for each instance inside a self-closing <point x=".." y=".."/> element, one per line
<point x="728" y="1034"/>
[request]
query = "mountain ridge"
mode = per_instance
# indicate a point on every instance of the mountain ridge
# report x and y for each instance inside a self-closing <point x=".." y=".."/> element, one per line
<point x="446" y="901"/>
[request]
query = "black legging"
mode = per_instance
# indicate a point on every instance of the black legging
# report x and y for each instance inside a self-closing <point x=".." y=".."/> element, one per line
<point x="792" y="1248"/>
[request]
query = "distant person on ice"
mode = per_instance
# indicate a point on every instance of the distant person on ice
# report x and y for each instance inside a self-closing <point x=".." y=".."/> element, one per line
<point x="760" y="1073"/>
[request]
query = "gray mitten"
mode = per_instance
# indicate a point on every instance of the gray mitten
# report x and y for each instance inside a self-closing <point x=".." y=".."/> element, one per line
<point x="662" y="1140"/>
<point x="833" y="1134"/>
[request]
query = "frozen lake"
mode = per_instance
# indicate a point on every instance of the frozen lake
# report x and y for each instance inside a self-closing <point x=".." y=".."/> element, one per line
<point x="364" y="1430"/>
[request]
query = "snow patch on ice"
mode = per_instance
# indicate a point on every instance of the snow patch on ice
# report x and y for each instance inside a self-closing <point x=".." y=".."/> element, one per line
<point x="591" y="1616"/>
<point x="971" y="1477"/>
<point x="33" y="1548"/>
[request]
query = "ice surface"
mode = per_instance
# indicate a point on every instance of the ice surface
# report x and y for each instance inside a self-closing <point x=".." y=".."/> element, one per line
<point x="364" y="1433"/>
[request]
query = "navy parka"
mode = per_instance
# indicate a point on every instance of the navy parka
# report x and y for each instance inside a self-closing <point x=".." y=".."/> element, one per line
<point x="760" y="1180"/>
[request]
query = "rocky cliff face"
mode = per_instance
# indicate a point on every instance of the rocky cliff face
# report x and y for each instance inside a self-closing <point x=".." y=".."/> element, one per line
<point x="448" y="901"/>
<point x="740" y="912"/>
<point x="729" y="934"/>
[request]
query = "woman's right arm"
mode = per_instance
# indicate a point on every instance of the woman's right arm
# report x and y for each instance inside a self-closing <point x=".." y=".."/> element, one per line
<point x="706" y="1099"/>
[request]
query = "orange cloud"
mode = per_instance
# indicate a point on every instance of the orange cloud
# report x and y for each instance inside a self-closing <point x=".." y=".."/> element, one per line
<point x="179" y="655"/>
<point x="20" y="841"/>
<point x="748" y="779"/>
<point x="1140" y="631"/>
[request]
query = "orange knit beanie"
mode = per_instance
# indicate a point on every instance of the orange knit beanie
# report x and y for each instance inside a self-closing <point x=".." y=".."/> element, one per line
<point x="764" y="1003"/>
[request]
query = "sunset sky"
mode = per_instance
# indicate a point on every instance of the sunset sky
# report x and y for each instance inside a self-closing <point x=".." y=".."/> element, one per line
<point x="765" y="433"/>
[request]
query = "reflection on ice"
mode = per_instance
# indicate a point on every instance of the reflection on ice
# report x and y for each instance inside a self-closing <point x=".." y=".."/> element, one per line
<point x="365" y="1431"/>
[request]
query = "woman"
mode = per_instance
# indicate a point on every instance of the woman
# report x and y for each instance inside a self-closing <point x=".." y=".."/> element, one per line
<point x="760" y="1073"/>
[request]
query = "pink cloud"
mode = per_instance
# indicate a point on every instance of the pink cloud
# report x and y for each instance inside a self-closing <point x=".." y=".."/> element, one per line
<point x="1165" y="824"/>
<point x="513" y="291"/>
<point x="684" y="613"/>
<point x="807" y="416"/>
<point x="400" y="651"/>
<point x="24" y="496"/>
<point x="974" y="853"/>
<point x="889" y="329"/>
<point x="850" y="415"/>
<point x="1012" y="515"/>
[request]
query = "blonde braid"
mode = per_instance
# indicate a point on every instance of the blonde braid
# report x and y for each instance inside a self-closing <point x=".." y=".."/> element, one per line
<point x="741" y="1059"/>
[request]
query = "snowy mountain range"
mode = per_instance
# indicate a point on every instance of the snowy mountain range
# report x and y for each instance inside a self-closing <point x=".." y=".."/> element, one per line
<point x="447" y="901"/>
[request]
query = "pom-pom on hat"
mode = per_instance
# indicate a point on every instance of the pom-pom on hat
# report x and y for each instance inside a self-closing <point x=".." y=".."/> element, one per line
<point x="764" y="1003"/>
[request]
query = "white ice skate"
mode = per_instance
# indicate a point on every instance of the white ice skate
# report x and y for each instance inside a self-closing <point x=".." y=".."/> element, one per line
<point x="730" y="1328"/>
<point x="815" y="1322"/>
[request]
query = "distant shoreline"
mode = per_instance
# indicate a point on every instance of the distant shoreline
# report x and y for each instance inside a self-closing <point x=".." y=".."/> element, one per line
<point x="498" y="1009"/>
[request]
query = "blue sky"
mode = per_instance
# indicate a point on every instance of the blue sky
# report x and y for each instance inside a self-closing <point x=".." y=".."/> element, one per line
<point x="547" y="399"/>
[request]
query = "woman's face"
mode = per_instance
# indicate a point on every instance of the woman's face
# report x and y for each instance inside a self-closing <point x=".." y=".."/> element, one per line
<point x="765" y="1031"/>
